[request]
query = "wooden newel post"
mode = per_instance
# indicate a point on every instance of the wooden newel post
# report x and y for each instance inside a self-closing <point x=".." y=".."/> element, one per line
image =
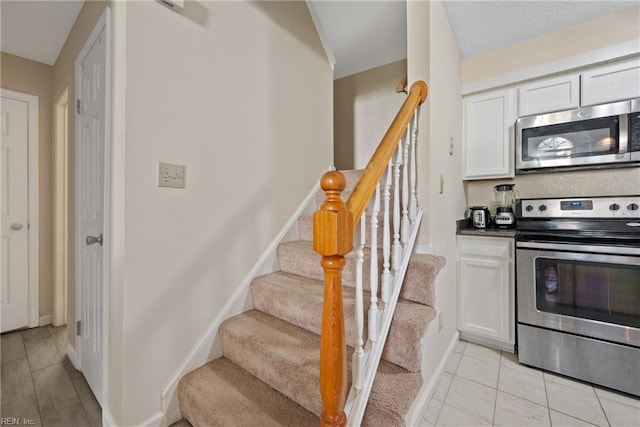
<point x="333" y="239"/>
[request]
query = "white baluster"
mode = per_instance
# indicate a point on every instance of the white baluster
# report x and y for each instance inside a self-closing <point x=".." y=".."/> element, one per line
<point x="386" y="236"/>
<point x="373" y="310"/>
<point x="404" y="234"/>
<point x="413" y="200"/>
<point x="358" y="355"/>
<point x="397" y="247"/>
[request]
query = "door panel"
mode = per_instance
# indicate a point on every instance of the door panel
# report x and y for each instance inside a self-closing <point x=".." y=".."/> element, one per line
<point x="90" y="187"/>
<point x="14" y="196"/>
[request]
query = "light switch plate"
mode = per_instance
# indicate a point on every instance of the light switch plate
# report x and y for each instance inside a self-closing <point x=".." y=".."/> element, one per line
<point x="170" y="175"/>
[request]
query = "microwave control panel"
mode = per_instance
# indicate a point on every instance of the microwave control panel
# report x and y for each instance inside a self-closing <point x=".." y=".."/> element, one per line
<point x="634" y="131"/>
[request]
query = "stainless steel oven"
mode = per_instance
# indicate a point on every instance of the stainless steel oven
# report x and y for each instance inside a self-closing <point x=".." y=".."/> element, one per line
<point x="605" y="135"/>
<point x="578" y="288"/>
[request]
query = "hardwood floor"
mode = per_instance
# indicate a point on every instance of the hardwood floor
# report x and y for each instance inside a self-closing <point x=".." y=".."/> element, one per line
<point x="40" y="386"/>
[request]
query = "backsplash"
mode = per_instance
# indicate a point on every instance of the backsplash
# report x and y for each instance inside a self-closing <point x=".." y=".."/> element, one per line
<point x="624" y="181"/>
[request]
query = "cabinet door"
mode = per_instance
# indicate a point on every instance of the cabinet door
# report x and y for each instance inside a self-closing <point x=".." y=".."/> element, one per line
<point x="545" y="96"/>
<point x="485" y="297"/>
<point x="486" y="289"/>
<point x="489" y="120"/>
<point x="611" y="83"/>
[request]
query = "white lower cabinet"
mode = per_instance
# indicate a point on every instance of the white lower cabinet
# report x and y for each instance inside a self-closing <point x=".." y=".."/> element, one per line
<point x="486" y="290"/>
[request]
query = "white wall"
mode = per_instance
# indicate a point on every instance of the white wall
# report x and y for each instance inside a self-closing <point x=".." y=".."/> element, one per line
<point x="438" y="130"/>
<point x="445" y="151"/>
<point x="365" y="104"/>
<point x="240" y="93"/>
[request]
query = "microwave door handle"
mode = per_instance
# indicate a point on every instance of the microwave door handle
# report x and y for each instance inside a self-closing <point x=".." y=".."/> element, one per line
<point x="623" y="134"/>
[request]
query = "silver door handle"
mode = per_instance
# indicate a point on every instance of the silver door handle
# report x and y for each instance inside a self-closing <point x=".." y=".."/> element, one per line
<point x="16" y="226"/>
<point x="93" y="239"/>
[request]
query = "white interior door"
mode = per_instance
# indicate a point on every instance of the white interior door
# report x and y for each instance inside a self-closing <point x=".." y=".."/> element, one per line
<point x="91" y="140"/>
<point x="14" y="189"/>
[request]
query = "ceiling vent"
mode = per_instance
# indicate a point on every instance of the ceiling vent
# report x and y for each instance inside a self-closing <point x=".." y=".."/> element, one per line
<point x="175" y="5"/>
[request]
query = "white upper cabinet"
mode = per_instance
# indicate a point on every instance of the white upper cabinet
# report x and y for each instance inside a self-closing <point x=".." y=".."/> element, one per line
<point x="489" y="120"/>
<point x="547" y="95"/>
<point x="611" y="83"/>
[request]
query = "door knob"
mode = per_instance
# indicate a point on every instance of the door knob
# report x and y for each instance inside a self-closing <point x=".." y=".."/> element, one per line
<point x="93" y="239"/>
<point x="16" y="226"/>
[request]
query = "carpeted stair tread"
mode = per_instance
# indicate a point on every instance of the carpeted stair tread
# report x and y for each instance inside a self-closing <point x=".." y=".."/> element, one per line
<point x="221" y="393"/>
<point x="287" y="358"/>
<point x="298" y="300"/>
<point x="297" y="257"/>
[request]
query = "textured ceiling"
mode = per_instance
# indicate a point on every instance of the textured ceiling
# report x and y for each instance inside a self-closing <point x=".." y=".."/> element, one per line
<point x="480" y="26"/>
<point x="36" y="30"/>
<point x="366" y="34"/>
<point x="361" y="34"/>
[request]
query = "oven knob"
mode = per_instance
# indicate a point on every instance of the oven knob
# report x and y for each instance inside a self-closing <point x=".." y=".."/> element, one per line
<point x="632" y="206"/>
<point x="529" y="208"/>
<point x="614" y="206"/>
<point x="542" y="208"/>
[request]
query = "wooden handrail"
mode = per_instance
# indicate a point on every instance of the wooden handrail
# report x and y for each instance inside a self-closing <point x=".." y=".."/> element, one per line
<point x="333" y="227"/>
<point x="400" y="87"/>
<point x="380" y="159"/>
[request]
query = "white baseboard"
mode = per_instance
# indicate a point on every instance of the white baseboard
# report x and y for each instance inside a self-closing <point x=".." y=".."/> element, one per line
<point x="426" y="392"/>
<point x="156" y="420"/>
<point x="208" y="346"/>
<point x="73" y="357"/>
<point x="45" y="320"/>
<point x="108" y="420"/>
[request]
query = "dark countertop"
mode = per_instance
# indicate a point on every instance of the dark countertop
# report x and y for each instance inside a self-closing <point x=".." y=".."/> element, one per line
<point x="463" y="229"/>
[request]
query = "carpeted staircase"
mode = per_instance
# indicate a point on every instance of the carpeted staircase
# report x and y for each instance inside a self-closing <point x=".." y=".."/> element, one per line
<point x="269" y="374"/>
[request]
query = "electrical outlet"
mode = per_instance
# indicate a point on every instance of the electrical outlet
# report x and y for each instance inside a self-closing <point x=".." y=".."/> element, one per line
<point x="440" y="321"/>
<point x="170" y="175"/>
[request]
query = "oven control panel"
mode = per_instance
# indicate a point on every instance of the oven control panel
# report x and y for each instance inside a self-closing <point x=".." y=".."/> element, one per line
<point x="580" y="207"/>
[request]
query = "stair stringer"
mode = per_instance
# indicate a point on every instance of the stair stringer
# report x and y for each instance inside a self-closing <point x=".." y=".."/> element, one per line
<point x="209" y="346"/>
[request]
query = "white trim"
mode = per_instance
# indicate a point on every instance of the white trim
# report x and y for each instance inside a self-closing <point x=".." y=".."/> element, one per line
<point x="73" y="357"/>
<point x="107" y="419"/>
<point x="103" y="23"/>
<point x="618" y="51"/>
<point x="33" y="141"/>
<point x="44" y="320"/>
<point x="60" y="209"/>
<point x="156" y="420"/>
<point x="414" y="416"/>
<point x="321" y="33"/>
<point x="208" y="346"/>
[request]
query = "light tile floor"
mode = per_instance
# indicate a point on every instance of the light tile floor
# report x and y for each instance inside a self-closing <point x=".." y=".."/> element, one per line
<point x="482" y="387"/>
<point x="39" y="384"/>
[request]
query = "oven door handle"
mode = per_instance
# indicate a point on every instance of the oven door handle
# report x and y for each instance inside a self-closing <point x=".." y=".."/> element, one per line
<point x="613" y="250"/>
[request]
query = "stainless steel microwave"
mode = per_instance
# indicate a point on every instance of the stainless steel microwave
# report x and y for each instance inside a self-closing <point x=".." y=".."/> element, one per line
<point x="605" y="135"/>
